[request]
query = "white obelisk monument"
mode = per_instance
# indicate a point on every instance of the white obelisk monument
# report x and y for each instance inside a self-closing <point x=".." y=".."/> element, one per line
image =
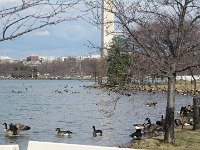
<point x="107" y="27"/>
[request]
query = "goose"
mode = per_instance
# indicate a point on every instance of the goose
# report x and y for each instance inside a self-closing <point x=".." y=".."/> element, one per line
<point x="153" y="129"/>
<point x="183" y="121"/>
<point x="19" y="127"/>
<point x="63" y="133"/>
<point x="157" y="130"/>
<point x="12" y="131"/>
<point x="151" y="103"/>
<point x="96" y="132"/>
<point x="142" y="126"/>
<point x="137" y="134"/>
<point x="161" y="122"/>
<point x="186" y="111"/>
<point x="139" y="126"/>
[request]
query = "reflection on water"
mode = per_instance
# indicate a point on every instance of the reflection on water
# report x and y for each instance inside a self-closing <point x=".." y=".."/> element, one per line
<point x="75" y="108"/>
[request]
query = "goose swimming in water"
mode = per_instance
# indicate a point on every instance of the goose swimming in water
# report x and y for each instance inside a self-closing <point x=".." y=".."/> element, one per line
<point x="63" y="133"/>
<point x="12" y="131"/>
<point x="151" y="103"/>
<point x="96" y="132"/>
<point x="18" y="127"/>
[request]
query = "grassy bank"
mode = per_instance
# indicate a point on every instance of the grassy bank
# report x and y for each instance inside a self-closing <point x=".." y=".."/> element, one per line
<point x="185" y="139"/>
<point x="182" y="86"/>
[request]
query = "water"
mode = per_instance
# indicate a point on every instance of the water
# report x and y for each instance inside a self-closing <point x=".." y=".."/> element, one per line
<point x="41" y="106"/>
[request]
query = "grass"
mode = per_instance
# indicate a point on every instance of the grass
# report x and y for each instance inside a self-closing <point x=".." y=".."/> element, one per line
<point x="185" y="139"/>
<point x="181" y="85"/>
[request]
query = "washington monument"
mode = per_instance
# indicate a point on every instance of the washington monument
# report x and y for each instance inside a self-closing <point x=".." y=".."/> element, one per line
<point x="107" y="27"/>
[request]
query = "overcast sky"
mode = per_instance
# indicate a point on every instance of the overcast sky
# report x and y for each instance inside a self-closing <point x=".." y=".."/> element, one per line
<point x="65" y="39"/>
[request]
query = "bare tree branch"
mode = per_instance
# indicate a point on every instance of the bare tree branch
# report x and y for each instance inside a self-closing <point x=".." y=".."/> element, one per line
<point x="28" y="15"/>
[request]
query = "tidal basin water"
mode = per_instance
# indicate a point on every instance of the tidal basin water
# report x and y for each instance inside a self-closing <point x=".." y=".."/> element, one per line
<point x="45" y="105"/>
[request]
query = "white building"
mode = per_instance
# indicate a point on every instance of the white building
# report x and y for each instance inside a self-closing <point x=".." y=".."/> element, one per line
<point x="47" y="58"/>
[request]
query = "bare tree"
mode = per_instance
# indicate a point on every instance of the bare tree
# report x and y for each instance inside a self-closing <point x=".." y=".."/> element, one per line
<point x="166" y="34"/>
<point x="23" y="16"/>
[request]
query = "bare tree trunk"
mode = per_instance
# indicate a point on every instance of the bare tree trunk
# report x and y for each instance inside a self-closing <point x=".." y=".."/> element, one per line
<point x="196" y="117"/>
<point x="195" y="82"/>
<point x="169" y="124"/>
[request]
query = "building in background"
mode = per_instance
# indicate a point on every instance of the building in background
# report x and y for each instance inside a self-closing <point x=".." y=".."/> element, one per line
<point x="47" y="59"/>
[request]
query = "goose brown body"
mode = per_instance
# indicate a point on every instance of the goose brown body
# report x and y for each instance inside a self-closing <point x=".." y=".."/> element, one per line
<point x="63" y="133"/>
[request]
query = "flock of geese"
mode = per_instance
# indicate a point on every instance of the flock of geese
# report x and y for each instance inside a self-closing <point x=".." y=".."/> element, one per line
<point x="148" y="129"/>
<point x="14" y="130"/>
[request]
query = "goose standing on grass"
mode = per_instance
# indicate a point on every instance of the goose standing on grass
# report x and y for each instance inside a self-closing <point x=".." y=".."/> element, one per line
<point x="96" y="132"/>
<point x="153" y="129"/>
<point x="12" y="131"/>
<point x="161" y="122"/>
<point x="62" y="133"/>
<point x="137" y="134"/>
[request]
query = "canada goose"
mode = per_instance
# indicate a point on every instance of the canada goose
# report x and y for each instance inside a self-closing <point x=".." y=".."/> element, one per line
<point x="137" y="134"/>
<point x="12" y="131"/>
<point x="184" y="121"/>
<point x="177" y="122"/>
<point x="96" y="132"/>
<point x="183" y="112"/>
<point x="186" y="111"/>
<point x="151" y="104"/>
<point x="139" y="126"/>
<point x="157" y="130"/>
<point x="161" y="122"/>
<point x="153" y="129"/>
<point x="142" y="126"/>
<point x="63" y="133"/>
<point x="19" y="127"/>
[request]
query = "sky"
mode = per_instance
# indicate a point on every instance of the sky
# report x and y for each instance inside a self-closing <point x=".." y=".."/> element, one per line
<point x="64" y="39"/>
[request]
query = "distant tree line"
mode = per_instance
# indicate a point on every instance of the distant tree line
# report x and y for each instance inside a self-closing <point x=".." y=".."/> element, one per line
<point x="68" y="68"/>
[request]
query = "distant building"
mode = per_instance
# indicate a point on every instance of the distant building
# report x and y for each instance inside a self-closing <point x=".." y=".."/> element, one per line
<point x="32" y="61"/>
<point x="33" y="58"/>
<point x="47" y="59"/>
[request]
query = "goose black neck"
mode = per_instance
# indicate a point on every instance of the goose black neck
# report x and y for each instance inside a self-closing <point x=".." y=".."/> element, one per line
<point x="94" y="128"/>
<point x="6" y="127"/>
